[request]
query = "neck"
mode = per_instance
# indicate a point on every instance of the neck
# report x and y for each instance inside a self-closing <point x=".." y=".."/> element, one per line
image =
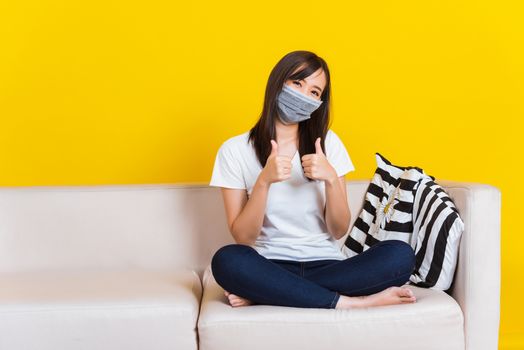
<point x="286" y="133"/>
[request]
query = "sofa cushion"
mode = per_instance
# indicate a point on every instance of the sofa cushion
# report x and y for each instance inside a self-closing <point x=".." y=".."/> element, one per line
<point x="438" y="228"/>
<point x="127" y="309"/>
<point x="387" y="212"/>
<point x="435" y="321"/>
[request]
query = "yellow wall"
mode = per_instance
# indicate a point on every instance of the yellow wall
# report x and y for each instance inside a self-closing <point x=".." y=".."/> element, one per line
<point x="119" y="92"/>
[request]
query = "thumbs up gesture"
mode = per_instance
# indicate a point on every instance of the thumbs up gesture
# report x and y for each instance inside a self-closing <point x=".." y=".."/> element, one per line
<point x="277" y="168"/>
<point x="274" y="148"/>
<point x="316" y="166"/>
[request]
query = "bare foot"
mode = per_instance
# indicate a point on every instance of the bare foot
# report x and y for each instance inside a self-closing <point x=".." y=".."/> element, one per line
<point x="235" y="300"/>
<point x="389" y="296"/>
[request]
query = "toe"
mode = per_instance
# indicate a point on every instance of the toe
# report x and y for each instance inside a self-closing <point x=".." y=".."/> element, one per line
<point x="406" y="292"/>
<point x="409" y="299"/>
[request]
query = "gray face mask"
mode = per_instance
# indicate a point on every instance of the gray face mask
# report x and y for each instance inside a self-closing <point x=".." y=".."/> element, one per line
<point x="294" y="107"/>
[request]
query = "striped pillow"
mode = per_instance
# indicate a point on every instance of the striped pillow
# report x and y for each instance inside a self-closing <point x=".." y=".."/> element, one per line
<point x="438" y="229"/>
<point x="387" y="212"/>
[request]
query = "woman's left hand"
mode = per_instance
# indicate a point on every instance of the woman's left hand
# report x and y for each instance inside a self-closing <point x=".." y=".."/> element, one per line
<point x="316" y="166"/>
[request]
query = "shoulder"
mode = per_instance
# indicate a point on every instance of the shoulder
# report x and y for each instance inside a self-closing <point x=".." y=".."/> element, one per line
<point x="337" y="154"/>
<point x="236" y="143"/>
<point x="332" y="139"/>
<point x="237" y="140"/>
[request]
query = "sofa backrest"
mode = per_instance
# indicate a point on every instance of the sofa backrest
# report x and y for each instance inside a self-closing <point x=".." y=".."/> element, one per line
<point x="160" y="226"/>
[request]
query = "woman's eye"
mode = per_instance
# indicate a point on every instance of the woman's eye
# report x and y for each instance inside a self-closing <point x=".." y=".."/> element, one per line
<point x="296" y="82"/>
<point x="316" y="93"/>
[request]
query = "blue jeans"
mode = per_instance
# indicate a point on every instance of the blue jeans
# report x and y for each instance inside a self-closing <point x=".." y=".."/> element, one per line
<point x="241" y="270"/>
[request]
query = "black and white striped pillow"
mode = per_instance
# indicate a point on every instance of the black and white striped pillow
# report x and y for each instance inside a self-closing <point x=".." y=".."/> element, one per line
<point x="438" y="229"/>
<point x="387" y="212"/>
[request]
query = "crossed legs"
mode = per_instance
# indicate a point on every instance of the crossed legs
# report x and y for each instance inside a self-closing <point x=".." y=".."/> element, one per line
<point x="371" y="278"/>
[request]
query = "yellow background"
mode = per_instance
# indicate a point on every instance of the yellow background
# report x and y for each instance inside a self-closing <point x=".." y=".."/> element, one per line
<point x="110" y="92"/>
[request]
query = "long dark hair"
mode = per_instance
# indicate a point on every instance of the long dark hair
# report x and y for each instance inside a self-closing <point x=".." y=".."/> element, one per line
<point x="316" y="126"/>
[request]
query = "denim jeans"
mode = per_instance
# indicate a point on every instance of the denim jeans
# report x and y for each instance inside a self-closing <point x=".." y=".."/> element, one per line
<point x="241" y="270"/>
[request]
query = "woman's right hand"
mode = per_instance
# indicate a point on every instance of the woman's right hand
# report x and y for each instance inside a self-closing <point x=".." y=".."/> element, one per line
<point x="277" y="168"/>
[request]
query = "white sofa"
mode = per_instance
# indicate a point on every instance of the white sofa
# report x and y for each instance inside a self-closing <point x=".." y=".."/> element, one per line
<point x="128" y="267"/>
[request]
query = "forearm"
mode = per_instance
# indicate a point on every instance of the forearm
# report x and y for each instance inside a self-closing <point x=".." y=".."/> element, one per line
<point x="248" y="224"/>
<point x="337" y="212"/>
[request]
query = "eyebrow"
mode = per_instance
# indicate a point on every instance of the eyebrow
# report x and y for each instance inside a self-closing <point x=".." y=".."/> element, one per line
<point x="319" y="89"/>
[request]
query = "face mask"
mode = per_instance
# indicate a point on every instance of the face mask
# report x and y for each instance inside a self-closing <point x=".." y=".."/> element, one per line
<point x="294" y="106"/>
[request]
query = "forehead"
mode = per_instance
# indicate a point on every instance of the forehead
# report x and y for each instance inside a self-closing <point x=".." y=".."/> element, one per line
<point x="317" y="78"/>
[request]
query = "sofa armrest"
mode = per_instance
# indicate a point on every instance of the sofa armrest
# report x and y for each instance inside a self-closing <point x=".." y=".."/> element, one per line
<point x="476" y="284"/>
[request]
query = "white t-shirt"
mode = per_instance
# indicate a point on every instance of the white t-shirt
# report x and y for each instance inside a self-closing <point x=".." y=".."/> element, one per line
<point x="294" y="226"/>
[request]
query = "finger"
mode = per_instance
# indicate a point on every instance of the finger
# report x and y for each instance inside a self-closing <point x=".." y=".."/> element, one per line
<point x="274" y="148"/>
<point x="284" y="158"/>
<point x="318" y="146"/>
<point x="306" y="157"/>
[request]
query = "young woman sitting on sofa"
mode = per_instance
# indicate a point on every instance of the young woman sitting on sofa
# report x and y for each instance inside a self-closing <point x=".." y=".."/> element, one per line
<point x="285" y="198"/>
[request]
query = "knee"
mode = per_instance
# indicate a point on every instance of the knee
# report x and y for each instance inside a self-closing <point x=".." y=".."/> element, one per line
<point x="402" y="254"/>
<point x="228" y="257"/>
<point x="406" y="256"/>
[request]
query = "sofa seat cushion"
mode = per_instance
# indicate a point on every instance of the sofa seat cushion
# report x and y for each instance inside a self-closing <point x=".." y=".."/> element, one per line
<point x="129" y="309"/>
<point x="435" y="321"/>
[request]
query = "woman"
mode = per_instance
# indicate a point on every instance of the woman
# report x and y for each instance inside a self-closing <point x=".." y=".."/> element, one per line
<point x="285" y="198"/>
